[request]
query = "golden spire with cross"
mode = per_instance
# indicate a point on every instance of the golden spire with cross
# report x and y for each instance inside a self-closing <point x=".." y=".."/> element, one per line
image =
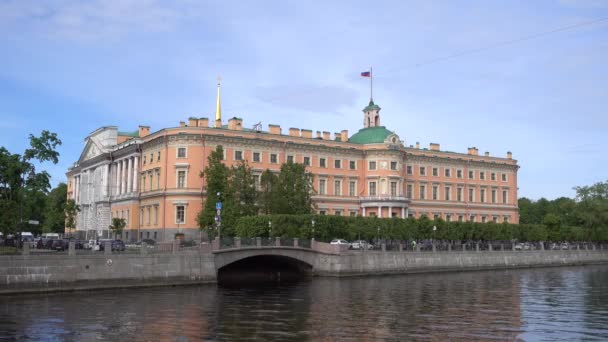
<point x="218" y="106"/>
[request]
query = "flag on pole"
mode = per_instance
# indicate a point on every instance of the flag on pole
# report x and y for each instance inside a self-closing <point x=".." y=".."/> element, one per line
<point x="366" y="74"/>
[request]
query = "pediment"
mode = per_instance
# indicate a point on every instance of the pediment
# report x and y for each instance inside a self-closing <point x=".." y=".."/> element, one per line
<point x="91" y="150"/>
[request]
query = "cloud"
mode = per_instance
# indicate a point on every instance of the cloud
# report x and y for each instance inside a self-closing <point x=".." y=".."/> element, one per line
<point x="319" y="99"/>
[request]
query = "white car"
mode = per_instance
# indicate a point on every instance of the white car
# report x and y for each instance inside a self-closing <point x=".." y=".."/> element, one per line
<point x="339" y="242"/>
<point x="360" y="244"/>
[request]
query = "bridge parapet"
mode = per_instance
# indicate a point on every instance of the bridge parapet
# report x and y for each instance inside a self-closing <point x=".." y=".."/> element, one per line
<point x="248" y="243"/>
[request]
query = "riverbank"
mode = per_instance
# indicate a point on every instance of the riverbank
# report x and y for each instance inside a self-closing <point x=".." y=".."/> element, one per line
<point x="49" y="273"/>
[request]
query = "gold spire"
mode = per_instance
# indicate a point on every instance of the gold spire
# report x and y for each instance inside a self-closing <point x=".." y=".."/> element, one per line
<point x="218" y="106"/>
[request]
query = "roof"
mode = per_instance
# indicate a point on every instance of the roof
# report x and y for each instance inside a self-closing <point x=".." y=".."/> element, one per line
<point x="371" y="106"/>
<point x="134" y="134"/>
<point x="370" y="135"/>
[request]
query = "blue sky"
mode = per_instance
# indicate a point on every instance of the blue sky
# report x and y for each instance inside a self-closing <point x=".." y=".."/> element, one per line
<point x="73" y="66"/>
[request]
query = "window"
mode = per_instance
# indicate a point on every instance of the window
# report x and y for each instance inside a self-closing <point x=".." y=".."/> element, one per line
<point x="256" y="181"/>
<point x="322" y="162"/>
<point x="493" y="196"/>
<point x="158" y="179"/>
<point x="458" y="173"/>
<point x="158" y="156"/>
<point x="447" y="193"/>
<point x="148" y="210"/>
<point x="436" y="217"/>
<point x="448" y="218"/>
<point x="471" y="195"/>
<point x="504" y="196"/>
<point x="460" y="218"/>
<point x="504" y="177"/>
<point x="352" y="188"/>
<point x="472" y="218"/>
<point x="482" y="175"/>
<point x="372" y="188"/>
<point x="181" y="179"/>
<point x="495" y="219"/>
<point x="423" y="192"/>
<point x="151" y="176"/>
<point x="337" y="164"/>
<point x="181" y="152"/>
<point x="471" y="174"/>
<point x="505" y="219"/>
<point x="482" y="196"/>
<point x="393" y="188"/>
<point x="321" y="212"/>
<point x="273" y="158"/>
<point x="483" y="219"/>
<point x="141" y="216"/>
<point x="409" y="169"/>
<point x="143" y="182"/>
<point x="353" y="213"/>
<point x="393" y="165"/>
<point x="352" y="165"/>
<point x="180" y="214"/>
<point x="148" y="235"/>
<point x="144" y="161"/>
<point x="459" y="194"/>
<point x="155" y="236"/>
<point x="423" y="171"/>
<point x="409" y="189"/>
<point x="290" y="159"/>
<point x="372" y="165"/>
<point x="322" y="186"/>
<point x="306" y="161"/>
<point x="238" y="155"/>
<point x="127" y="219"/>
<point x="492" y="176"/>
<point x="256" y="157"/>
<point x="448" y="172"/>
<point x="435" y="172"/>
<point x="151" y="157"/>
<point x="155" y="214"/>
<point x="337" y="188"/>
<point x="435" y="192"/>
<point x="338" y="212"/>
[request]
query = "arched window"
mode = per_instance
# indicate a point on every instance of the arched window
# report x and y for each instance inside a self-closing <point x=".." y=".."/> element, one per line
<point x="376" y="119"/>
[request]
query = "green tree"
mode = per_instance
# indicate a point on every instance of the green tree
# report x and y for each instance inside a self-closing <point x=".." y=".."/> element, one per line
<point x="71" y="209"/>
<point x="118" y="225"/>
<point x="215" y="176"/>
<point x="55" y="210"/>
<point x="242" y="191"/>
<point x="269" y="195"/>
<point x="592" y="209"/>
<point x="294" y="189"/>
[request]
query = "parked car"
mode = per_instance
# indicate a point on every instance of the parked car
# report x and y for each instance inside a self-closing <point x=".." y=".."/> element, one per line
<point x="518" y="246"/>
<point x="359" y="244"/>
<point x="339" y="242"/>
<point x="565" y="245"/>
<point x="59" y="244"/>
<point x="527" y="246"/>
<point x="116" y="245"/>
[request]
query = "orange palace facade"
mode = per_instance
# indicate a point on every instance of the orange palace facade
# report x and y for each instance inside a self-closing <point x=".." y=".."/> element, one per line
<point x="152" y="179"/>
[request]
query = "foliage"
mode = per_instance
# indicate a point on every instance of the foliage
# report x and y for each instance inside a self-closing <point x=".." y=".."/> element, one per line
<point x="70" y="210"/>
<point x="118" y="225"/>
<point x="216" y="178"/>
<point x="55" y="215"/>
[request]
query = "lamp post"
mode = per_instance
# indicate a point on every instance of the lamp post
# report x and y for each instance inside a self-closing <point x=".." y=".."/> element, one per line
<point x="269" y="229"/>
<point x="313" y="228"/>
<point x="218" y="218"/>
<point x="434" y="229"/>
<point x="378" y="237"/>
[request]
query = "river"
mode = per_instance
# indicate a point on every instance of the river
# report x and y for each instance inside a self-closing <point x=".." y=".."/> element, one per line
<point x="545" y="304"/>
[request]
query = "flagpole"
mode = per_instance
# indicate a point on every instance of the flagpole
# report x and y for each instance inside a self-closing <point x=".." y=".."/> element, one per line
<point x="371" y="84"/>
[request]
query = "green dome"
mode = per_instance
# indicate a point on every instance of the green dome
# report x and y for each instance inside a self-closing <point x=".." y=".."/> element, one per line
<point x="370" y="135"/>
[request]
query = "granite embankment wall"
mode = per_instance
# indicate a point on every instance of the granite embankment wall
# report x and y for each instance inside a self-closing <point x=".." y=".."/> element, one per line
<point x="41" y="273"/>
<point x="370" y="263"/>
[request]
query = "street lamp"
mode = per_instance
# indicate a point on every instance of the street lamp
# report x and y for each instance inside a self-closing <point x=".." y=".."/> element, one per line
<point x="269" y="229"/>
<point x="434" y="229"/>
<point x="378" y="236"/>
<point x="218" y="218"/>
<point x="313" y="228"/>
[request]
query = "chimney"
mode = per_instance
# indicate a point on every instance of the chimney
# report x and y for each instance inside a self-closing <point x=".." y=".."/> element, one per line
<point x="417" y="145"/>
<point x="473" y="151"/>
<point x="319" y="135"/>
<point x="182" y="124"/>
<point x="203" y="122"/>
<point x="307" y="133"/>
<point x="509" y="155"/>
<point x="434" y="147"/>
<point x="145" y="131"/>
<point x="337" y="136"/>
<point x="326" y="135"/>
<point x="235" y="124"/>
<point x="344" y="135"/>
<point x="218" y="123"/>
<point x="274" y="129"/>
<point x="294" y="132"/>
<point x="192" y="122"/>
<point x="487" y="154"/>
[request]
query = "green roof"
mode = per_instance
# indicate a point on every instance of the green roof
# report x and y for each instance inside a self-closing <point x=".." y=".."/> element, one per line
<point x="134" y="134"/>
<point x="371" y="106"/>
<point x="370" y="135"/>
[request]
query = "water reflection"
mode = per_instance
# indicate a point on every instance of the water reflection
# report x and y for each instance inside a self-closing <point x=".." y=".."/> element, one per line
<point x="540" y="304"/>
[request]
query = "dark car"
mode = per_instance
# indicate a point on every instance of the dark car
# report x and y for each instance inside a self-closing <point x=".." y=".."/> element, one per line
<point x="42" y="243"/>
<point x="59" y="245"/>
<point x="117" y="245"/>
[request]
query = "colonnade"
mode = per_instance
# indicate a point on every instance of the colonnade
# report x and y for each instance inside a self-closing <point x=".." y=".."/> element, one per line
<point x="404" y="211"/>
<point x="125" y="175"/>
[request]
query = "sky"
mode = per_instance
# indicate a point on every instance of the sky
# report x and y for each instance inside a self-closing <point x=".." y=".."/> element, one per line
<point x="528" y="77"/>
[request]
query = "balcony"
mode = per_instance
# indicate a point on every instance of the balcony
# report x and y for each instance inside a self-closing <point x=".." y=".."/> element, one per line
<point x="383" y="199"/>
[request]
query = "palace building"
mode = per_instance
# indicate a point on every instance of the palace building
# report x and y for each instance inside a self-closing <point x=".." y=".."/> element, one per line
<point x="151" y="179"/>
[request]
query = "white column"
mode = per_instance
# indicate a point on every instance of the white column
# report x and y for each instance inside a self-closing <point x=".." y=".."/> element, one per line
<point x="407" y="212"/>
<point x="379" y="211"/>
<point x="117" y="178"/>
<point x="104" y="180"/>
<point x="363" y="211"/>
<point x="122" y="177"/>
<point x="76" y="188"/>
<point x="129" y="172"/>
<point x="403" y="213"/>
<point x="136" y="174"/>
<point x="390" y="212"/>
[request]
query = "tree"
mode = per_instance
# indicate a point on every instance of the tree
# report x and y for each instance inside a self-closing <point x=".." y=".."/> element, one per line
<point x="242" y="191"/>
<point x="117" y="226"/>
<point x="55" y="210"/>
<point x="71" y="209"/>
<point x="216" y="177"/>
<point x="269" y="196"/>
<point x="22" y="188"/>
<point x="294" y="189"/>
<point x="592" y="209"/>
